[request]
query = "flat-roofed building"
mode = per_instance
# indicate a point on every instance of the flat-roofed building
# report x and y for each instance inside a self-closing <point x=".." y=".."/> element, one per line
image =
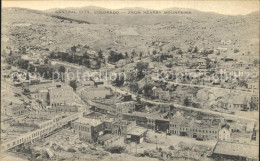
<point x="89" y="129"/>
<point x="235" y="151"/>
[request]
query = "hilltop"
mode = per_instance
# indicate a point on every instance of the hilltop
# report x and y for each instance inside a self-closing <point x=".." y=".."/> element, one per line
<point x="130" y="31"/>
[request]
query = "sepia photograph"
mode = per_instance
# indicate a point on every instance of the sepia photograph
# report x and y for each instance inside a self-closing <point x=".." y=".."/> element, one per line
<point x="125" y="80"/>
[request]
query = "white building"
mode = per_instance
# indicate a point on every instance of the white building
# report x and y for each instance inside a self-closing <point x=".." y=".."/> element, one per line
<point x="224" y="133"/>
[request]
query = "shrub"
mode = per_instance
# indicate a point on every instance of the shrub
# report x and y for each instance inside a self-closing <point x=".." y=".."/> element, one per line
<point x="236" y="50"/>
<point x="116" y="149"/>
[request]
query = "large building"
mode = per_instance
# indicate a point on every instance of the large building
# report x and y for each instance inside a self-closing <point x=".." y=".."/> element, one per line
<point x="125" y="107"/>
<point x="191" y="128"/>
<point x="52" y="94"/>
<point x="89" y="129"/>
<point x="235" y="151"/>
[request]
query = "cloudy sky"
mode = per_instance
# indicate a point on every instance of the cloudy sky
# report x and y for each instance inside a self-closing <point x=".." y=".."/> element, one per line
<point x="223" y="7"/>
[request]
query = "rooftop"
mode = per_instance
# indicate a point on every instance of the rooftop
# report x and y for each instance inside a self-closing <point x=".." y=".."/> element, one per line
<point x="237" y="149"/>
<point x="89" y="121"/>
<point x="137" y="131"/>
<point x="106" y="137"/>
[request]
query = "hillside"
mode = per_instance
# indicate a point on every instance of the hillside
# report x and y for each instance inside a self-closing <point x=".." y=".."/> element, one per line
<point x="128" y="31"/>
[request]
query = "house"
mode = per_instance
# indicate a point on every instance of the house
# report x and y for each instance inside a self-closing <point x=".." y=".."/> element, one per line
<point x="238" y="102"/>
<point x="138" y="134"/>
<point x="255" y="99"/>
<point x="16" y="111"/>
<point x="253" y="85"/>
<point x="161" y="95"/>
<point x="88" y="129"/>
<point x="224" y="133"/>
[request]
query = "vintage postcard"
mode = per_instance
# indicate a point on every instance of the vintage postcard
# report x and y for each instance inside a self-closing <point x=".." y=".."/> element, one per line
<point x="130" y="80"/>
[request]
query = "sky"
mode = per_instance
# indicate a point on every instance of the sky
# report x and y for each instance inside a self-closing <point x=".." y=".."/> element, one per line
<point x="222" y="7"/>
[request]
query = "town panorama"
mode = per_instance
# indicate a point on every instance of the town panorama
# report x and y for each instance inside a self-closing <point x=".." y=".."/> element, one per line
<point x="92" y="83"/>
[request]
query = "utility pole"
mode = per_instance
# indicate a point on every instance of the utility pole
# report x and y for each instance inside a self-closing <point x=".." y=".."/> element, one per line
<point x="156" y="142"/>
<point x="135" y="148"/>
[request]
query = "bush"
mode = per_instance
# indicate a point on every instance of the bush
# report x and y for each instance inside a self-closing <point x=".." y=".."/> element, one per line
<point x="116" y="149"/>
<point x="236" y="50"/>
<point x="72" y="150"/>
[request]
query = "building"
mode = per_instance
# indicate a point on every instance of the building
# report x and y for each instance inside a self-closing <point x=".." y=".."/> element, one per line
<point x="235" y="151"/>
<point x="140" y="118"/>
<point x="16" y="111"/>
<point x="66" y="108"/>
<point x="89" y="129"/>
<point x="52" y="94"/>
<point x="203" y="130"/>
<point x="191" y="128"/>
<point x="44" y="129"/>
<point x="107" y="139"/>
<point x="161" y="95"/>
<point x="125" y="107"/>
<point x="224" y="133"/>
<point x="253" y="85"/>
<point x="179" y="125"/>
<point x="99" y="92"/>
<point x="60" y="94"/>
<point x="122" y="127"/>
<point x="138" y="135"/>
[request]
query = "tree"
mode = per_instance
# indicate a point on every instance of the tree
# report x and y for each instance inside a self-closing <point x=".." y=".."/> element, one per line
<point x="256" y="62"/>
<point x="62" y="69"/>
<point x="179" y="51"/>
<point x="154" y="52"/>
<point x="148" y="90"/>
<point x="73" y="49"/>
<point x="23" y="63"/>
<point x="133" y="53"/>
<point x="208" y="63"/>
<point x="73" y="84"/>
<point x="186" y="101"/>
<point x="31" y="68"/>
<point x="134" y="87"/>
<point x="86" y="62"/>
<point x="46" y="61"/>
<point x="119" y="80"/>
<point x="52" y="55"/>
<point x="114" y="56"/>
<point x="236" y="51"/>
<point x="141" y="54"/>
<point x="141" y="68"/>
<point x="126" y="55"/>
<point x="100" y="55"/>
